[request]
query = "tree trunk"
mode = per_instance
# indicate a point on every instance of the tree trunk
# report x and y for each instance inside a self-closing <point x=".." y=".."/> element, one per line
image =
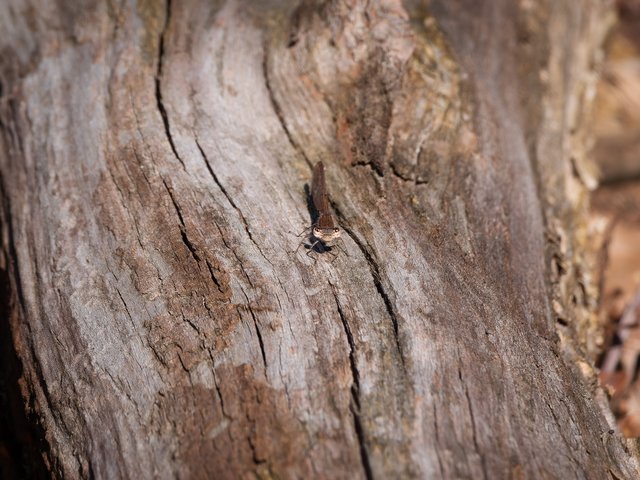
<point x="154" y="158"/>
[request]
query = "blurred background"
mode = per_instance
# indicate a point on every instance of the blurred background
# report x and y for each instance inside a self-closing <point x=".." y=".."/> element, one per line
<point x="615" y="206"/>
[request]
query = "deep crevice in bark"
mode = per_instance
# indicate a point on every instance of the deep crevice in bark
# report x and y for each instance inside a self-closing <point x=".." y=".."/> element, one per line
<point x="258" y="332"/>
<point x="437" y="438"/>
<point x="173" y="200"/>
<point x="230" y="200"/>
<point x="158" y="92"/>
<point x="375" y="274"/>
<point x="473" y="425"/>
<point x="217" y="385"/>
<point x="190" y="247"/>
<point x="355" y="392"/>
<point x="404" y="178"/>
<point x="276" y="107"/>
<point x="214" y="279"/>
<point x="183" y="232"/>
<point x="377" y="169"/>
<point x="124" y="304"/>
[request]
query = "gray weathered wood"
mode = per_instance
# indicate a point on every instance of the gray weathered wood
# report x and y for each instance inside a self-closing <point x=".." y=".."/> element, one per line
<point x="153" y="164"/>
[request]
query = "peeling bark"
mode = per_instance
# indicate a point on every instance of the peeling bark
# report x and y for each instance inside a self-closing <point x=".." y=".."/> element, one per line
<point x="153" y="161"/>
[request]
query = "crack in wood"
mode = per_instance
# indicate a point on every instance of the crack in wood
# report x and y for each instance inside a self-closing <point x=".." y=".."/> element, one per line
<point x="396" y="173"/>
<point x="375" y="273"/>
<point x="213" y="278"/>
<point x="245" y="223"/>
<point x="183" y="231"/>
<point x="187" y="242"/>
<point x="189" y="322"/>
<point x="190" y="247"/>
<point x="437" y="438"/>
<point x="371" y="166"/>
<point x="473" y="423"/>
<point x="158" y="90"/>
<point x="257" y="330"/>
<point x="566" y="440"/>
<point x="217" y="386"/>
<point x="355" y="407"/>
<point x="126" y="308"/>
<point x="276" y="107"/>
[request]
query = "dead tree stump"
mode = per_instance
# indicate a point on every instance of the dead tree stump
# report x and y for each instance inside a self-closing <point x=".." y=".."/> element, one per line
<point x="153" y="160"/>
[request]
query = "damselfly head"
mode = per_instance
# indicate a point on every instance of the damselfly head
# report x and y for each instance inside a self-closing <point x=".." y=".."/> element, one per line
<point x="326" y="235"/>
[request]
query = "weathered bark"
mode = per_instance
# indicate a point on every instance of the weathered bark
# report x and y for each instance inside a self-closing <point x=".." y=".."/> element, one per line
<point x="153" y="164"/>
